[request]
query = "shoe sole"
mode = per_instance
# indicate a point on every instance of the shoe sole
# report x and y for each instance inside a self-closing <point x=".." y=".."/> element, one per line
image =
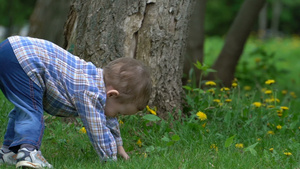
<point x="27" y="164"/>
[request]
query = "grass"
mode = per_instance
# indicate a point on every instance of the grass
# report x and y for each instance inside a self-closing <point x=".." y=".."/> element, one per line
<point x="236" y="133"/>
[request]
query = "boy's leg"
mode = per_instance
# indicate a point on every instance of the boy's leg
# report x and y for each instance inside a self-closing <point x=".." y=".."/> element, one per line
<point x="26" y="123"/>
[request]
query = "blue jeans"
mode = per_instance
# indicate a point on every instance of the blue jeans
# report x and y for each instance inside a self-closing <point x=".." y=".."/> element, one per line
<point x="26" y="124"/>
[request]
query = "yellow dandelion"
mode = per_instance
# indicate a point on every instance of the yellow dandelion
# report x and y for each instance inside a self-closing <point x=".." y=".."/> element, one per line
<point x="268" y="92"/>
<point x="228" y="100"/>
<point x="139" y="143"/>
<point x="211" y="91"/>
<point x="258" y="139"/>
<point x="284" y="108"/>
<point x="82" y="130"/>
<point x="279" y="127"/>
<point x="271" y="132"/>
<point x="239" y="145"/>
<point x="279" y="114"/>
<point x="257" y="104"/>
<point x="269" y="82"/>
<point x="210" y="83"/>
<point x="284" y="92"/>
<point x="293" y="94"/>
<point x="202" y="116"/>
<point x="287" y="153"/>
<point x="247" y="88"/>
<point x="270" y="106"/>
<point x="121" y="122"/>
<point x="203" y="125"/>
<point x="217" y="100"/>
<point x="234" y="84"/>
<point x="220" y="104"/>
<point x="271" y="149"/>
<point x="150" y="110"/>
<point x="214" y="146"/>
<point x="225" y="89"/>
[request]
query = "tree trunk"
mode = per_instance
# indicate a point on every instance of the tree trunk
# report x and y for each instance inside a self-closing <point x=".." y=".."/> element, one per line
<point x="148" y="30"/>
<point x="48" y="19"/>
<point x="263" y="22"/>
<point x="195" y="42"/>
<point x="235" y="41"/>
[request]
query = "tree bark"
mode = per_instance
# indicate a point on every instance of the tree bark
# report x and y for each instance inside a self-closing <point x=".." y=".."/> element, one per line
<point x="195" y="41"/>
<point x="263" y="22"/>
<point x="276" y="12"/>
<point x="148" y="30"/>
<point x="235" y="41"/>
<point x="48" y="19"/>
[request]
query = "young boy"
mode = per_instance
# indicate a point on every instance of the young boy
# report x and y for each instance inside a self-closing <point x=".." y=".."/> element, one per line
<point x="37" y="75"/>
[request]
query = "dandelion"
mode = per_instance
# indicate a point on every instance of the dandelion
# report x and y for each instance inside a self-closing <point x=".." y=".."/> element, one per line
<point x="284" y="108"/>
<point x="269" y="82"/>
<point x="121" y="122"/>
<point x="239" y="145"/>
<point x="214" y="146"/>
<point x="279" y="127"/>
<point x="270" y="106"/>
<point x="271" y="132"/>
<point x="271" y="149"/>
<point x="279" y="114"/>
<point x="220" y="104"/>
<point x="293" y="94"/>
<point x="212" y="91"/>
<point x="82" y="130"/>
<point x="210" y="83"/>
<point x="247" y="88"/>
<point x="258" y="139"/>
<point x="225" y="89"/>
<point x="287" y="153"/>
<point x="284" y="92"/>
<point x="202" y="116"/>
<point x="268" y="92"/>
<point x="228" y="100"/>
<point x="257" y="104"/>
<point x="150" y="110"/>
<point x="203" y="125"/>
<point x="217" y="100"/>
<point x="234" y="85"/>
<point x="139" y="143"/>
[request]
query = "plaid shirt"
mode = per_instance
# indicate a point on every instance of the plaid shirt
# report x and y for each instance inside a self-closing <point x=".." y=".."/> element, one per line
<point x="72" y="87"/>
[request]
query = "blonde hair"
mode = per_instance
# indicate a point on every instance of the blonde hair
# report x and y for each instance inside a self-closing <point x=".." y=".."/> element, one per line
<point x="131" y="78"/>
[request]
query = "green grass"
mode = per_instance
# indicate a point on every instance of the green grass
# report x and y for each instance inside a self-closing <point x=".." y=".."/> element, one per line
<point x="190" y="142"/>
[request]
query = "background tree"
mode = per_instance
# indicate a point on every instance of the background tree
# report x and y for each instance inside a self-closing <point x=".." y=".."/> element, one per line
<point x="48" y="19"/>
<point x="148" y="30"/>
<point x="235" y="40"/>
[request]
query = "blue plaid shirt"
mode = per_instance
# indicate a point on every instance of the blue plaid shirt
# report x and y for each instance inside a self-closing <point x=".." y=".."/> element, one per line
<point x="72" y="87"/>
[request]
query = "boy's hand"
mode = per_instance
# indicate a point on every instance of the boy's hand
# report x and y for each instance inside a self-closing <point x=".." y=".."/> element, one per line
<point x="122" y="153"/>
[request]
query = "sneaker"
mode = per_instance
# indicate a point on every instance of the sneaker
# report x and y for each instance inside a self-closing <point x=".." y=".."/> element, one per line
<point x="31" y="159"/>
<point x="8" y="158"/>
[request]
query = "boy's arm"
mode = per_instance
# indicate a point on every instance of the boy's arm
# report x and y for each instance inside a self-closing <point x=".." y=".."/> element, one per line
<point x="92" y="115"/>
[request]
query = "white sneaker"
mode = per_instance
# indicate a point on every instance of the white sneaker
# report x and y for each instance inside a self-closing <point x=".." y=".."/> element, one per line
<point x="8" y="158"/>
<point x="31" y="159"/>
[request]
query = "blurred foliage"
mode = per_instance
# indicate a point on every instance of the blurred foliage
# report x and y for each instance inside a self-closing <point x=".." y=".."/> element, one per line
<point x="15" y="12"/>
<point x="221" y="13"/>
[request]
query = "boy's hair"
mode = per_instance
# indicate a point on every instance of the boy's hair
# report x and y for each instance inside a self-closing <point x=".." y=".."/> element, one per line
<point x="131" y="78"/>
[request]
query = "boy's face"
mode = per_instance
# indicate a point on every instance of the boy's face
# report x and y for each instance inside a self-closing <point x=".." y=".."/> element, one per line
<point x="114" y="108"/>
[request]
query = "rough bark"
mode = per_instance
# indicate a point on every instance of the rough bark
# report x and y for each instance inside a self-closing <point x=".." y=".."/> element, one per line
<point x="148" y="30"/>
<point x="235" y="41"/>
<point x="48" y="19"/>
<point x="195" y="41"/>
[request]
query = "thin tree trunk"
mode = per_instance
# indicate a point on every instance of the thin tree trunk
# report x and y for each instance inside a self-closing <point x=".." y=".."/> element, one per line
<point x="263" y="22"/>
<point x="148" y="30"/>
<point x="276" y="12"/>
<point x="235" y="41"/>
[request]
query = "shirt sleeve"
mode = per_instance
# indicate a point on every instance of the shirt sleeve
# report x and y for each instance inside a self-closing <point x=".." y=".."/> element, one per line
<point x="92" y="115"/>
<point x="113" y="125"/>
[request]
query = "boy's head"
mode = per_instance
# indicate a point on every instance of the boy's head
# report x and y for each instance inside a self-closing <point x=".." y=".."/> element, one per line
<point x="128" y="83"/>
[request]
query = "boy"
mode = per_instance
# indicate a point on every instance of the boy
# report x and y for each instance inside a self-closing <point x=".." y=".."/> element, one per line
<point x="37" y="75"/>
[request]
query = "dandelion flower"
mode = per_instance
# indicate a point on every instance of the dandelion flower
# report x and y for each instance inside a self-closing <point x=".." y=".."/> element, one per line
<point x="217" y="100"/>
<point x="279" y="127"/>
<point x="271" y="132"/>
<point x="284" y="92"/>
<point x="214" y="146"/>
<point x="258" y="139"/>
<point x="284" y="108"/>
<point x="268" y="92"/>
<point x="225" y="89"/>
<point x="271" y="149"/>
<point x="202" y="116"/>
<point x="150" y="110"/>
<point x="270" y="106"/>
<point x="234" y="84"/>
<point x="293" y="94"/>
<point x="211" y="91"/>
<point x="269" y="82"/>
<point x="247" y="88"/>
<point x="287" y="153"/>
<point x="239" y="145"/>
<point x="82" y="130"/>
<point x="228" y="100"/>
<point x="139" y="143"/>
<point x="121" y="122"/>
<point x="210" y="83"/>
<point x="257" y="104"/>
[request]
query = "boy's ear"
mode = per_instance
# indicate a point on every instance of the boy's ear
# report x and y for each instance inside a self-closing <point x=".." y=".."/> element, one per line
<point x="112" y="93"/>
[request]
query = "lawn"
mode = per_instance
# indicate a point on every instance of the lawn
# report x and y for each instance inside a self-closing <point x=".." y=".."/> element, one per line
<point x="253" y="125"/>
